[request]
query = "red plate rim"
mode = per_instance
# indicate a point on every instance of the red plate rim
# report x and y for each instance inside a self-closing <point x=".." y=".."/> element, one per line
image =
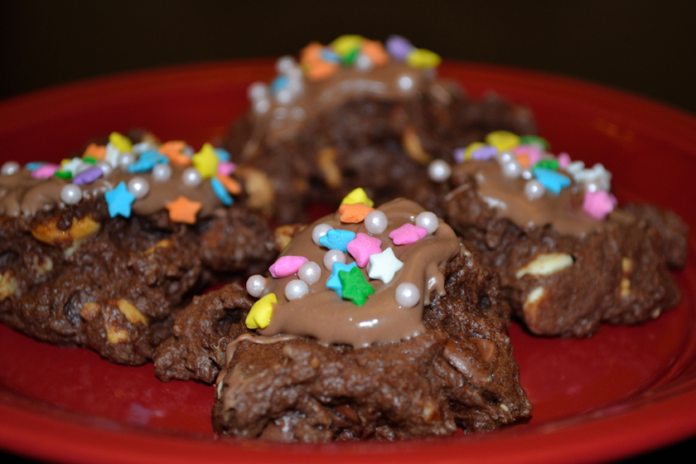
<point x="630" y="427"/>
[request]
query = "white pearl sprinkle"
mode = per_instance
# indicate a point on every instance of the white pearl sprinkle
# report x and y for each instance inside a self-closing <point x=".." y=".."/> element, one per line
<point x="284" y="97"/>
<point x="9" y="168"/>
<point x="363" y="63"/>
<point x="376" y="222"/>
<point x="191" y="177"/>
<point x="285" y="64"/>
<point x="534" y="189"/>
<point x="309" y="272"/>
<point x="161" y="172"/>
<point x="319" y="231"/>
<point x="439" y="171"/>
<point x="527" y="174"/>
<point x="334" y="256"/>
<point x="257" y="91"/>
<point x="428" y="221"/>
<point x="71" y="194"/>
<point x="105" y="167"/>
<point x="125" y="160"/>
<point x="405" y="83"/>
<point x="295" y="86"/>
<point x="255" y="285"/>
<point x="294" y="74"/>
<point x="407" y="295"/>
<point x="296" y="289"/>
<point x="262" y="106"/>
<point x="504" y="157"/>
<point x="138" y="187"/>
<point x="512" y="169"/>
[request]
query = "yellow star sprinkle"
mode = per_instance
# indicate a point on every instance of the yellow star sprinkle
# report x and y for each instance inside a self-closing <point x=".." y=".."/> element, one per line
<point x="357" y="196"/>
<point x="421" y="58"/>
<point x="503" y="140"/>
<point x="120" y="142"/>
<point x="346" y="44"/>
<point x="260" y="315"/>
<point x="206" y="161"/>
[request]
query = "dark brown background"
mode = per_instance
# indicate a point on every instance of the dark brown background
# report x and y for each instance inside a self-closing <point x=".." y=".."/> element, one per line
<point x="644" y="47"/>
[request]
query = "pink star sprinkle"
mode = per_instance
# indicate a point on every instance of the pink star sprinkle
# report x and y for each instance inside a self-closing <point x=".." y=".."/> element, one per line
<point x="362" y="247"/>
<point x="407" y="234"/>
<point x="598" y="204"/>
<point x="45" y="171"/>
<point x="225" y="168"/>
<point x="564" y="160"/>
<point x="287" y="265"/>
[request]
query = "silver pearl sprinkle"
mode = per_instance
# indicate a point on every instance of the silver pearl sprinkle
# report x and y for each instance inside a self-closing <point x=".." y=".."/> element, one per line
<point x="504" y="157"/>
<point x="407" y="295"/>
<point x="9" y="168"/>
<point x="428" y="221"/>
<point x="376" y="222"/>
<point x="534" y="189"/>
<point x="363" y="63"/>
<point x="255" y="285"/>
<point x="138" y="187"/>
<point x="191" y="177"/>
<point x="439" y="171"/>
<point x="105" y="167"/>
<point x="405" y="83"/>
<point x="334" y="256"/>
<point x="71" y="194"/>
<point x="319" y="231"/>
<point x="125" y="160"/>
<point x="162" y="172"/>
<point x="296" y="289"/>
<point x="285" y="64"/>
<point x="309" y="273"/>
<point x="512" y="169"/>
<point x="257" y="91"/>
<point x="262" y="106"/>
<point x="284" y="97"/>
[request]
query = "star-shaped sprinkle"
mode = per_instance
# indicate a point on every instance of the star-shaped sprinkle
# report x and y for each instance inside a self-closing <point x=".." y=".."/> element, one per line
<point x="95" y="151"/>
<point x="183" y="210"/>
<point x="225" y="168"/>
<point x="384" y="265"/>
<point x="230" y="184"/>
<point x="362" y="247"/>
<point x="147" y="161"/>
<point x="119" y="201"/>
<point x="357" y="196"/>
<point x="407" y="234"/>
<point x="111" y="154"/>
<point x="206" y="161"/>
<point x="503" y="140"/>
<point x="121" y="142"/>
<point x="222" y="154"/>
<point x="174" y="151"/>
<point x="287" y="265"/>
<point x="355" y="287"/>
<point x="551" y="179"/>
<point x="261" y="312"/>
<point x="596" y="174"/>
<point x="334" y="282"/>
<point x="221" y="192"/>
<point x="71" y="165"/>
<point x="598" y="204"/>
<point x="337" y="239"/>
<point x="355" y="213"/>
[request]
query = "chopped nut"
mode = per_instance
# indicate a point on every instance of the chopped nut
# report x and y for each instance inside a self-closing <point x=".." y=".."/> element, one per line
<point x="132" y="313"/>
<point x="89" y="310"/>
<point x="326" y="160"/>
<point x="531" y="307"/>
<point x="413" y="147"/>
<point x="285" y="234"/>
<point x="315" y="362"/>
<point x="504" y="408"/>
<point x="625" y="287"/>
<point x="431" y="413"/>
<point x="626" y="265"/>
<point x="655" y="313"/>
<point x="80" y="230"/>
<point x="545" y="264"/>
<point x="44" y="266"/>
<point x="486" y="348"/>
<point x="8" y="285"/>
<point x="166" y="243"/>
<point x="259" y="189"/>
<point x="116" y="335"/>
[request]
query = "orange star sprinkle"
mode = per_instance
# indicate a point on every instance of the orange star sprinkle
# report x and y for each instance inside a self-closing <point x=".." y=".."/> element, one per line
<point x="172" y="150"/>
<point x="355" y="213"/>
<point x="183" y="210"/>
<point x="230" y="184"/>
<point x="95" y="151"/>
<point x="375" y="51"/>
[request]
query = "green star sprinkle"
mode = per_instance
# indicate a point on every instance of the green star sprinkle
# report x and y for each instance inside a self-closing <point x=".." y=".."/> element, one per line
<point x="355" y="287"/>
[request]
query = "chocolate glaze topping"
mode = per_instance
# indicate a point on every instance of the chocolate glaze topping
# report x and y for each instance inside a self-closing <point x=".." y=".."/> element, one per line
<point x="323" y="315"/>
<point x="563" y="212"/>
<point x="20" y="193"/>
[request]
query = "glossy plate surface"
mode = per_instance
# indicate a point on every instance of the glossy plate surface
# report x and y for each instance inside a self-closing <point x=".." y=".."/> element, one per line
<point x="627" y="390"/>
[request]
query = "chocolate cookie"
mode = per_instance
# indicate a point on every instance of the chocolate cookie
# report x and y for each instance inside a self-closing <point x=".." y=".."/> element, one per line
<point x="78" y="269"/>
<point x="370" y="118"/>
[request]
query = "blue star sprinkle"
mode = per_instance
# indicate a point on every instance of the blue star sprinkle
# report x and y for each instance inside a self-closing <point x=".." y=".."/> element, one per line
<point x="337" y="239"/>
<point x="551" y="179"/>
<point x="119" y="201"/>
<point x="147" y="161"/>
<point x="334" y="282"/>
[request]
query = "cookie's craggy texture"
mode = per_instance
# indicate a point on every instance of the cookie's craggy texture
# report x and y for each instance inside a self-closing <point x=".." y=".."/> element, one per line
<point x="383" y="146"/>
<point x="114" y="288"/>
<point x="459" y="372"/>
<point x="619" y="273"/>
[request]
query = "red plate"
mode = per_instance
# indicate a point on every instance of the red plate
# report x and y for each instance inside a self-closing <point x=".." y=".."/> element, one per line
<point x="627" y="390"/>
